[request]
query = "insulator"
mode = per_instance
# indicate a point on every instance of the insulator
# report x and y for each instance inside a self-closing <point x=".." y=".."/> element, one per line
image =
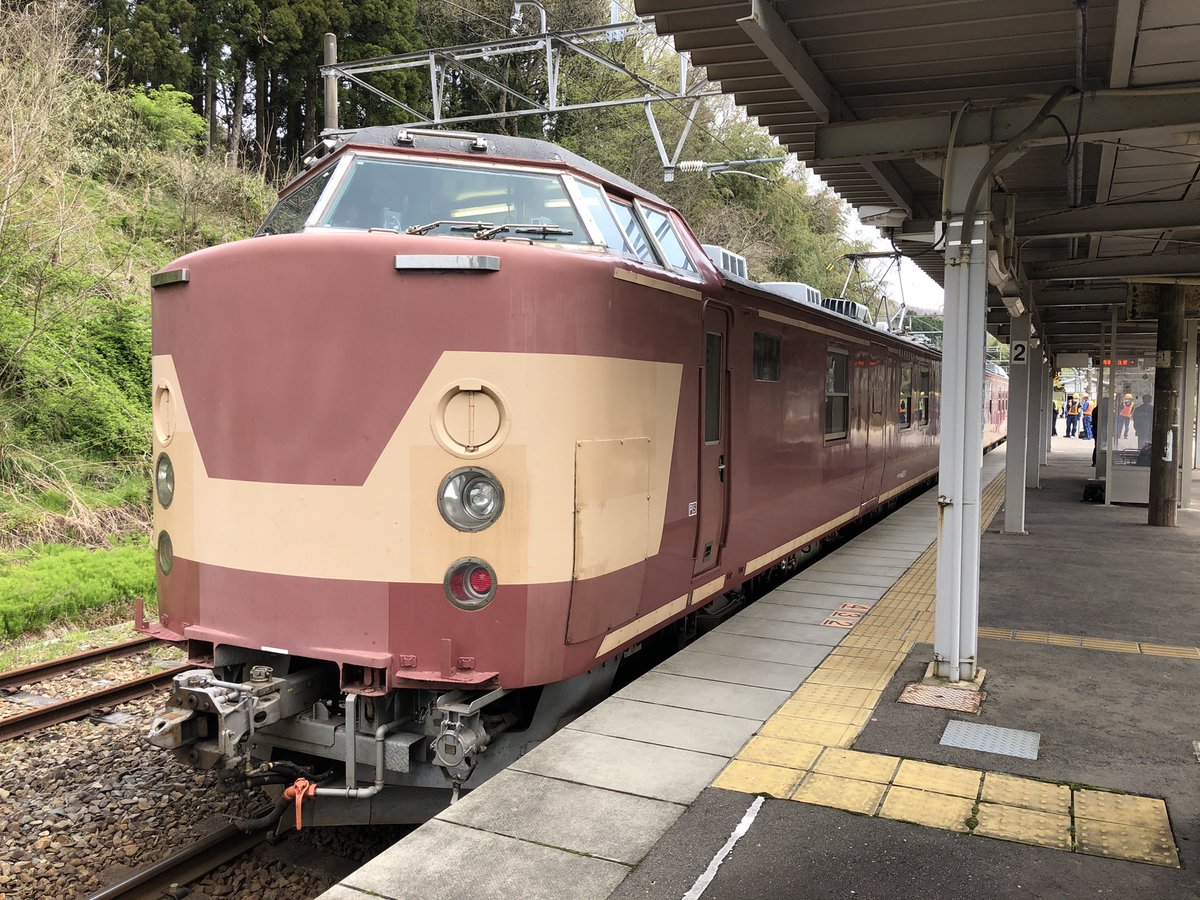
<point x="691" y="165"/>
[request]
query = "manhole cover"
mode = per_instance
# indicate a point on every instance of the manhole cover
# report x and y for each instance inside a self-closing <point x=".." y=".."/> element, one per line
<point x="990" y="739"/>
<point x="942" y="698"/>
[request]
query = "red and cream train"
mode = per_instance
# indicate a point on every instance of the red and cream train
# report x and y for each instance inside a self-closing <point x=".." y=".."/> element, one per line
<point x="469" y="420"/>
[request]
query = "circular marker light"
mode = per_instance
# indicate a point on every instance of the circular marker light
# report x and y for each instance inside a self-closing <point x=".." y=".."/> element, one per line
<point x="164" y="480"/>
<point x="470" y="499"/>
<point x="470" y="583"/>
<point x="166" y="553"/>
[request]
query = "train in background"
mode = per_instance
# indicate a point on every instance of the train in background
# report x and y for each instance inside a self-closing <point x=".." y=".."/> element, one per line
<point x="467" y="423"/>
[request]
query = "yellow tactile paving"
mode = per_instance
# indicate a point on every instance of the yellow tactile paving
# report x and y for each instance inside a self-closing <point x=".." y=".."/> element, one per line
<point x="1087" y="643"/>
<point x="825" y="712"/>
<point x="1026" y="793"/>
<point x="1148" y="845"/>
<point x="758" y="778"/>
<point x="998" y="633"/>
<point x="1026" y="826"/>
<point x="926" y="808"/>
<point x="828" y="734"/>
<point x="860" y="766"/>
<point x="1110" y="645"/>
<point x="1170" y="650"/>
<point x="846" y="678"/>
<point x="939" y="779"/>
<point x="1036" y="637"/>
<point x="778" y="752"/>
<point x="840" y="793"/>
<point x="838" y="696"/>
<point x="1063" y="640"/>
<point x="1123" y="809"/>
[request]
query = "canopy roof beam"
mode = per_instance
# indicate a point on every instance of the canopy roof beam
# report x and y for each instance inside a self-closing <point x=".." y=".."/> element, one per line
<point x="1113" y="218"/>
<point x="1159" y="265"/>
<point x="1106" y="114"/>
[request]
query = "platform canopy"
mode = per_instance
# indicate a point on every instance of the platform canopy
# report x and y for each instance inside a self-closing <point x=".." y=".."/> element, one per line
<point x="867" y="92"/>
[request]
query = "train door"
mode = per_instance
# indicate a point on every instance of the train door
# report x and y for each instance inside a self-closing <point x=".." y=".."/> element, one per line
<point x="879" y="370"/>
<point x="713" y="477"/>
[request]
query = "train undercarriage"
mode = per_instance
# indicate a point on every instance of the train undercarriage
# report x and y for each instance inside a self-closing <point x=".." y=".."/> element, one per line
<point x="264" y="720"/>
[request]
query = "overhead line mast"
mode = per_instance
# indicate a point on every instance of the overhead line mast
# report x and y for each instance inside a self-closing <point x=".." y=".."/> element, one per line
<point x="552" y="46"/>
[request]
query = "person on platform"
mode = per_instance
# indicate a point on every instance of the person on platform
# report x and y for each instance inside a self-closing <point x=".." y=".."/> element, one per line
<point x="1143" y="420"/>
<point x="1124" y="417"/>
<point x="1072" y="415"/>
<point x="1054" y="418"/>
<point x="1086" y="408"/>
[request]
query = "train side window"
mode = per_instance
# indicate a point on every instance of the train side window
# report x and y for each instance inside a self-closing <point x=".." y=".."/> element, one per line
<point x="668" y="240"/>
<point x="634" y="233"/>
<point x="766" y="356"/>
<point x="290" y="214"/>
<point x="923" y="395"/>
<point x="712" y="386"/>
<point x="906" y="387"/>
<point x="837" y="395"/>
<point x="597" y="206"/>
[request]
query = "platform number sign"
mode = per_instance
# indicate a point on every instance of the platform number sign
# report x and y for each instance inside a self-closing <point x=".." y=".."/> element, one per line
<point x="1019" y="354"/>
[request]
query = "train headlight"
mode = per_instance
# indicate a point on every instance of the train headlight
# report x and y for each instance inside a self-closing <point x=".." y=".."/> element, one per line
<point x="470" y="583"/>
<point x="166" y="553"/>
<point x="470" y="499"/>
<point x="164" y="480"/>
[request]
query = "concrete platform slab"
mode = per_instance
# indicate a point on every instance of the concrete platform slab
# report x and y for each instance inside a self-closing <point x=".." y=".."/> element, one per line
<point x="873" y="543"/>
<point x="754" y="672"/>
<point x="654" y="723"/>
<point x="840" y="578"/>
<point x="840" y="592"/>
<point x="784" y="631"/>
<point x="765" y="649"/>
<point x="856" y="566"/>
<point x="647" y="770"/>
<point x="495" y="866"/>
<point x="704" y="695"/>
<point x="616" y="826"/>
<point x="778" y="612"/>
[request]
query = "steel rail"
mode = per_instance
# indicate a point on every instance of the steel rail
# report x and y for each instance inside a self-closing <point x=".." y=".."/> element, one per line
<point x="77" y="707"/>
<point x="184" y="866"/>
<point x="39" y="671"/>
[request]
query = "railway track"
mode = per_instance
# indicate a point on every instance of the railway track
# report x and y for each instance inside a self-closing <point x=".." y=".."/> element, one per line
<point x="185" y="866"/>
<point x="76" y="707"/>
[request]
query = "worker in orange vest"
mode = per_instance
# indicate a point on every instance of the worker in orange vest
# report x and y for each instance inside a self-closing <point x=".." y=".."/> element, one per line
<point x="1125" y="416"/>
<point x="1085" y="410"/>
<point x="1072" y="415"/>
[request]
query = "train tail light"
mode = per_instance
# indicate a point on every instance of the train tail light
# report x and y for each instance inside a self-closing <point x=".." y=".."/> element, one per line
<point x="470" y="583"/>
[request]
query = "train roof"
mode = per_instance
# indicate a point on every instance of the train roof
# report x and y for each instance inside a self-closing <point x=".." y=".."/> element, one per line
<point x="494" y="145"/>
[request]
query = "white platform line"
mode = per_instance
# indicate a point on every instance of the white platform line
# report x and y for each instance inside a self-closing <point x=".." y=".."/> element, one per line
<point x="706" y="877"/>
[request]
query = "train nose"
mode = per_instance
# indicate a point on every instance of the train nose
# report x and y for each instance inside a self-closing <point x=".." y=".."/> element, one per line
<point x="296" y="358"/>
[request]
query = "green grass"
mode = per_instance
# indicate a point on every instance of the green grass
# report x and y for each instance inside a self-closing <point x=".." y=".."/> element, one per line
<point x="50" y="584"/>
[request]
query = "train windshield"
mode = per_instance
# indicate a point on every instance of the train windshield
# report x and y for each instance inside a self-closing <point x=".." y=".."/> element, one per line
<point x="455" y="200"/>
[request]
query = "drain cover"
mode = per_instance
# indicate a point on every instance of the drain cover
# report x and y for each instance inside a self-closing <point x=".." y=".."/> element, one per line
<point x="942" y="698"/>
<point x="990" y="739"/>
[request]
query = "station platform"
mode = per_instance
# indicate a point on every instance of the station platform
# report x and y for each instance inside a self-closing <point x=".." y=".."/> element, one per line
<point x="771" y="757"/>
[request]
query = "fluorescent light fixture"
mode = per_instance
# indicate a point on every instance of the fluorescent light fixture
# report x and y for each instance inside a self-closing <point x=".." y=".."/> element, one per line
<point x="468" y="212"/>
